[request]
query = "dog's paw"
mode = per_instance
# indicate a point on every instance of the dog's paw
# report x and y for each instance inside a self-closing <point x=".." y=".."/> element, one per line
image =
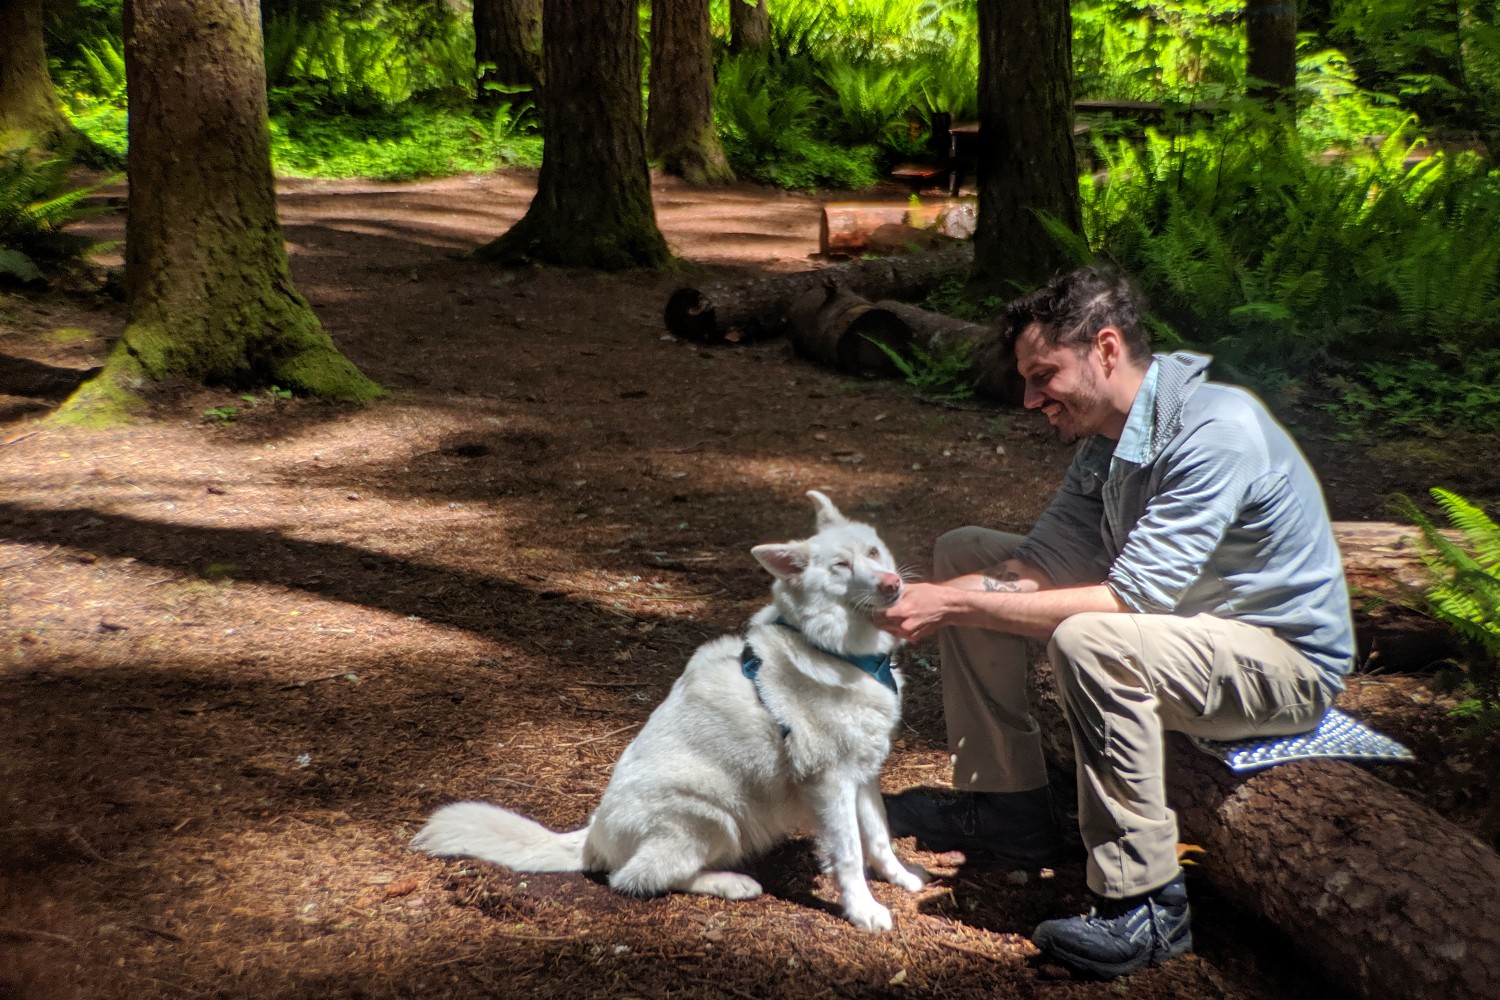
<point x="909" y="877"/>
<point x="726" y="885"/>
<point x="902" y="875"/>
<point x="868" y="915"/>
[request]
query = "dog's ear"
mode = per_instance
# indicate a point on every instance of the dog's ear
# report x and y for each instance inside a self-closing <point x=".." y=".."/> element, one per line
<point x="782" y="559"/>
<point x="828" y="514"/>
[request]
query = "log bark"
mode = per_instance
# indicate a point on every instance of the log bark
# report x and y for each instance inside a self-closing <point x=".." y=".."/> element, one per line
<point x="1385" y="895"/>
<point x="832" y="325"/>
<point x="847" y="226"/>
<point x="758" y="308"/>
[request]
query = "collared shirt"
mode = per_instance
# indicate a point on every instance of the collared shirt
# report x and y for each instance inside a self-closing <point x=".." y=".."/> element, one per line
<point x="1135" y="440"/>
<point x="1207" y="507"/>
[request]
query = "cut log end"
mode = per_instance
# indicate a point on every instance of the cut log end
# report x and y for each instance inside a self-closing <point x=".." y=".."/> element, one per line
<point x="690" y="316"/>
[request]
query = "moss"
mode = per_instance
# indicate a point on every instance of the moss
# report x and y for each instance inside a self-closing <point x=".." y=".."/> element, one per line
<point x="70" y="335"/>
<point x="109" y="399"/>
<point x="323" y="372"/>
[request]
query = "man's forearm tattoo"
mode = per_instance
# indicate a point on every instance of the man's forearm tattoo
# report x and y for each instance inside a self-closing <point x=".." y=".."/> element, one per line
<point x="1010" y="585"/>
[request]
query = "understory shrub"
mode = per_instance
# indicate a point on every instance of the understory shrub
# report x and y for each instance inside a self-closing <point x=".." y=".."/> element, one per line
<point x="1282" y="261"/>
<point x="37" y="201"/>
<point x="400" y="143"/>
<point x="1465" y="596"/>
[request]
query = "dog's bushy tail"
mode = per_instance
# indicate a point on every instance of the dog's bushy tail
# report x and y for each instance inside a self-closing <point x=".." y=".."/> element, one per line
<point x="501" y="837"/>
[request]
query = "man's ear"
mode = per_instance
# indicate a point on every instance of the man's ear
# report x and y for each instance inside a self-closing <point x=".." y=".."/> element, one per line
<point x="1110" y="344"/>
<point x="782" y="559"/>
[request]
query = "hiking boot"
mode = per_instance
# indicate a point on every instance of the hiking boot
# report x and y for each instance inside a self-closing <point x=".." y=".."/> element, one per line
<point x="1122" y="935"/>
<point x="1009" y="827"/>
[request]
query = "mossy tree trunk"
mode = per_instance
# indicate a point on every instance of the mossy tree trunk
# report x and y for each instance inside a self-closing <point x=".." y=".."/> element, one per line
<point x="1271" y="42"/>
<point x="593" y="205"/>
<point x="208" y="288"/>
<point x="508" y="44"/>
<point x="30" y="115"/>
<point x="1027" y="164"/>
<point x="680" y="124"/>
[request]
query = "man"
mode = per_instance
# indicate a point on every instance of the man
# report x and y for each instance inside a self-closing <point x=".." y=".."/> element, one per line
<point x="1185" y="577"/>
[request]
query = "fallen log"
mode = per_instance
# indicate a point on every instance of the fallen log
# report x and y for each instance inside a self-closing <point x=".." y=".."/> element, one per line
<point x="849" y="226"/>
<point x="832" y="325"/>
<point x="757" y="308"/>
<point x="1386" y="896"/>
<point x="1384" y="569"/>
<point x="835" y="327"/>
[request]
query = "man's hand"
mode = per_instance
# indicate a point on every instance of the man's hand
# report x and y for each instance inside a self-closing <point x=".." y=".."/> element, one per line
<point x="919" y="611"/>
<point x="981" y="601"/>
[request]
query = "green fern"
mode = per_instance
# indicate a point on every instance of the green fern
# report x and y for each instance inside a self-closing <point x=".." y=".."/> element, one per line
<point x="1465" y="592"/>
<point x="36" y="204"/>
<point x="942" y="375"/>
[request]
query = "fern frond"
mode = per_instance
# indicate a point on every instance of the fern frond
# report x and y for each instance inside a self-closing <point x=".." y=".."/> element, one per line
<point x="1479" y="530"/>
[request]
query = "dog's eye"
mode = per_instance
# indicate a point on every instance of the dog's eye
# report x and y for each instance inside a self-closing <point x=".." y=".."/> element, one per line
<point x="842" y="564"/>
<point x="874" y="552"/>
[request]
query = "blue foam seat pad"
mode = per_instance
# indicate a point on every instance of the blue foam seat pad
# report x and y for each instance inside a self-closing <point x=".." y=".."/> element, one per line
<point x="1337" y="737"/>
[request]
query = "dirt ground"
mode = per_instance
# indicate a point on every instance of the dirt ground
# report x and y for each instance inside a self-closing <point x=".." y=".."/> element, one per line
<point x="248" y="643"/>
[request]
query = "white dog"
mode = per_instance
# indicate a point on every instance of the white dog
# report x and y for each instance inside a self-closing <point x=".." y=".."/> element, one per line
<point x="760" y="737"/>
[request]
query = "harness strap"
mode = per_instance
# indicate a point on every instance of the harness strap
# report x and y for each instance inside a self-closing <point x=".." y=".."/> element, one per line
<point x="750" y="667"/>
<point x="877" y="665"/>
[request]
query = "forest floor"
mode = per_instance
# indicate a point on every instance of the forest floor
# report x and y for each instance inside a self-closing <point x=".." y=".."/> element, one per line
<point x="248" y="643"/>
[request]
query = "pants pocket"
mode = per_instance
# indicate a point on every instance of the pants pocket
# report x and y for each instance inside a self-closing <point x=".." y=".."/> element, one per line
<point x="1248" y="696"/>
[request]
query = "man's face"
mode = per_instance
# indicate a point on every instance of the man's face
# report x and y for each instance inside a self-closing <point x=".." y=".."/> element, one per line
<point x="1064" y="383"/>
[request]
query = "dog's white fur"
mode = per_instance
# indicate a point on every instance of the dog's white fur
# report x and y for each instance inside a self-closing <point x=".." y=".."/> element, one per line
<point x="711" y="780"/>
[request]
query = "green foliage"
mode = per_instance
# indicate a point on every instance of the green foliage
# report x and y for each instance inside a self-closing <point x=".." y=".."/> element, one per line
<point x="846" y="89"/>
<point x="401" y="143"/>
<point x="221" y="415"/>
<point x="944" y="374"/>
<point x="767" y="120"/>
<point x="380" y="52"/>
<point x="952" y="299"/>
<point x="93" y="94"/>
<point x="1176" y="52"/>
<point x="37" y="201"/>
<point x="1420" y="395"/>
<point x="1439" y="59"/>
<point x="1465" y="596"/>
<point x="1280" y="261"/>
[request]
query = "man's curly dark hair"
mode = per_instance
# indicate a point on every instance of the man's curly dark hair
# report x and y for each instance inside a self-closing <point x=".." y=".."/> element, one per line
<point x="1072" y="308"/>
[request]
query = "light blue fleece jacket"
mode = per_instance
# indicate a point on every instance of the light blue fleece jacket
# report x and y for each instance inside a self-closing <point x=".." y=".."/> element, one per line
<point x="1205" y="505"/>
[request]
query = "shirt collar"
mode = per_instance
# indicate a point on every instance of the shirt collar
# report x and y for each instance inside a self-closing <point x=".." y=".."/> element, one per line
<point x="1134" y="445"/>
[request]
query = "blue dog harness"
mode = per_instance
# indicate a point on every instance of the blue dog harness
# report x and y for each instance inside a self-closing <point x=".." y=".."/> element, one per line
<point x="877" y="665"/>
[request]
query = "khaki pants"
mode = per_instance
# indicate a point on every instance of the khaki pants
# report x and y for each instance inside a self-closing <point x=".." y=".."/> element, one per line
<point x="1125" y="680"/>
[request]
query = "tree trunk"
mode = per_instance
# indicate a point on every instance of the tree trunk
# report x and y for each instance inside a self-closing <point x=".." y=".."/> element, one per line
<point x="757" y="308"/>
<point x="208" y="287"/>
<point x="30" y="115"/>
<point x="592" y="206"/>
<point x="1387" y="896"/>
<point x="1027" y="164"/>
<point x="749" y="26"/>
<point x="680" y="131"/>
<point x="1271" y="41"/>
<point x="508" y="47"/>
